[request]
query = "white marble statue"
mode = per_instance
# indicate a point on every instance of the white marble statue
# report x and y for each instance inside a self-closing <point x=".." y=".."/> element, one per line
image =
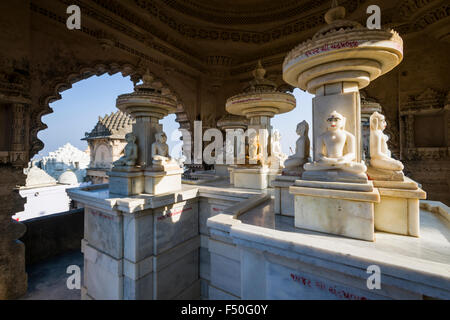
<point x="337" y="150"/>
<point x="380" y="156"/>
<point x="253" y="149"/>
<point x="277" y="157"/>
<point x="295" y="162"/>
<point x="160" y="150"/>
<point x="130" y="152"/>
<point x="382" y="166"/>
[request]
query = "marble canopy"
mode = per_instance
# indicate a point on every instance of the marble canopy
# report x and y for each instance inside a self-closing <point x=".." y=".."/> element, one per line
<point x="202" y="52"/>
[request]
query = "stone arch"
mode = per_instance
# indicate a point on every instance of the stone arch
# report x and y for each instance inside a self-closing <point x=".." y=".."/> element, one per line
<point x="64" y="83"/>
<point x="99" y="147"/>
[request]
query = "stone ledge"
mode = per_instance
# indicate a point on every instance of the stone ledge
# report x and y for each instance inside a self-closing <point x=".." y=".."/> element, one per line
<point x="436" y="207"/>
<point x="373" y="196"/>
<point x="403" y="193"/>
<point x="348" y="186"/>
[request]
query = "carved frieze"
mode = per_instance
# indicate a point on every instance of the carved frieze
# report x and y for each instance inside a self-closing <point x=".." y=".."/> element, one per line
<point x="425" y="123"/>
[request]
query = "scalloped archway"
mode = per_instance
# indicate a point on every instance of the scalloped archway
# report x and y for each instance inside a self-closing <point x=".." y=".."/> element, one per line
<point x="98" y="69"/>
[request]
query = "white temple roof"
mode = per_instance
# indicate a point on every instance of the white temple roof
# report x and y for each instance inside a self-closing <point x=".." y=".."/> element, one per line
<point x="68" y="177"/>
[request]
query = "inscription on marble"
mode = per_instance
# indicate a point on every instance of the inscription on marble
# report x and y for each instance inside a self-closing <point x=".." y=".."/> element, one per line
<point x="339" y="293"/>
<point x="173" y="213"/>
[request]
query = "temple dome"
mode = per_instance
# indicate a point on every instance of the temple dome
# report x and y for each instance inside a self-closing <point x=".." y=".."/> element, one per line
<point x="68" y="177"/>
<point x="38" y="177"/>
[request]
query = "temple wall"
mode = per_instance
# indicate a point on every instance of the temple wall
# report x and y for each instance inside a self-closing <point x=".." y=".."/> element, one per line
<point x="252" y="262"/>
<point x="414" y="97"/>
<point x="50" y="236"/>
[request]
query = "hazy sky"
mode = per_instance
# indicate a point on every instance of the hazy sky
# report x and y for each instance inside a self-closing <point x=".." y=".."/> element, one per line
<point x="78" y="111"/>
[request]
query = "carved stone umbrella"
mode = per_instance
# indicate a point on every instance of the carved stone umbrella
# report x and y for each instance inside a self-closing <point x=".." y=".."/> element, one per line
<point x="149" y="103"/>
<point x="227" y="123"/>
<point x="259" y="102"/>
<point x="341" y="58"/>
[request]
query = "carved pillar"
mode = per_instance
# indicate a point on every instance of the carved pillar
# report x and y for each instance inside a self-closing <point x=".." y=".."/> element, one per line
<point x="18" y="155"/>
<point x="15" y="83"/>
<point x="409" y="132"/>
<point x="13" y="279"/>
<point x="368" y="106"/>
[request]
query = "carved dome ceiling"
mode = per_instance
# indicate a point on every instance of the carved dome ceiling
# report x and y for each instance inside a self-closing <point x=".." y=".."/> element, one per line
<point x="240" y="12"/>
<point x="227" y="36"/>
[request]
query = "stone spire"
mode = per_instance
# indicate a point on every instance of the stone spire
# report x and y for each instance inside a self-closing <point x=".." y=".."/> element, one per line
<point x="335" y="13"/>
<point x="259" y="83"/>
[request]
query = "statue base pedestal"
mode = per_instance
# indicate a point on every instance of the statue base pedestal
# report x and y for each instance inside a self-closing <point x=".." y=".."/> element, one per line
<point x="335" y="208"/>
<point x="140" y="248"/>
<point x="251" y="177"/>
<point x="222" y="170"/>
<point x="398" y="210"/>
<point x="158" y="181"/>
<point x="334" y="176"/>
<point x="126" y="181"/>
<point x="384" y="175"/>
<point x="293" y="172"/>
<point x="273" y="174"/>
<point x="284" y="201"/>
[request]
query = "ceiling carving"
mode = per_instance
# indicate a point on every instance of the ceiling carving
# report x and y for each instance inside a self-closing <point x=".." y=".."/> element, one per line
<point x="287" y="23"/>
<point x="182" y="29"/>
<point x="238" y="12"/>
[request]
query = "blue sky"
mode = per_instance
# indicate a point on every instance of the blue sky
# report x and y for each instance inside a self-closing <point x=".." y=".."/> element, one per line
<point x="78" y="111"/>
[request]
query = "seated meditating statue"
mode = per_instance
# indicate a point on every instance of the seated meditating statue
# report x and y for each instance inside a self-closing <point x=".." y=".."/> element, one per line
<point x="160" y="151"/>
<point x="338" y="153"/>
<point x="277" y="157"/>
<point x="254" y="154"/>
<point x="382" y="166"/>
<point x="130" y="152"/>
<point x="294" y="164"/>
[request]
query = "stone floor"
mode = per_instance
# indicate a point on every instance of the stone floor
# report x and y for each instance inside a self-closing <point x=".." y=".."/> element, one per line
<point x="432" y="245"/>
<point x="47" y="279"/>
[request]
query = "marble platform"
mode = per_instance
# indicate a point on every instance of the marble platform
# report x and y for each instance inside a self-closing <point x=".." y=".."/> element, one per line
<point x="274" y="260"/>
<point x="340" y="208"/>
<point x="140" y="247"/>
<point x="398" y="209"/>
<point x="284" y="201"/>
<point x="162" y="181"/>
<point x="245" y="251"/>
<point x="251" y="178"/>
<point x="126" y="181"/>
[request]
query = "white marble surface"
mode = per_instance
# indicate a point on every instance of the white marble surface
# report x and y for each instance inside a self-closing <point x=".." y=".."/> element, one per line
<point x="124" y="183"/>
<point x="138" y="234"/>
<point x="217" y="294"/>
<point x="226" y="274"/>
<point x="103" y="231"/>
<point x="411" y="267"/>
<point x="42" y="201"/>
<point x="251" y="178"/>
<point x="177" y="276"/>
<point x="175" y="224"/>
<point x="193" y="292"/>
<point x="291" y="284"/>
<point x="103" y="284"/>
<point x="205" y="264"/>
<point x="140" y="289"/>
<point x="354" y="219"/>
<point x="164" y="182"/>
<point x="398" y="215"/>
